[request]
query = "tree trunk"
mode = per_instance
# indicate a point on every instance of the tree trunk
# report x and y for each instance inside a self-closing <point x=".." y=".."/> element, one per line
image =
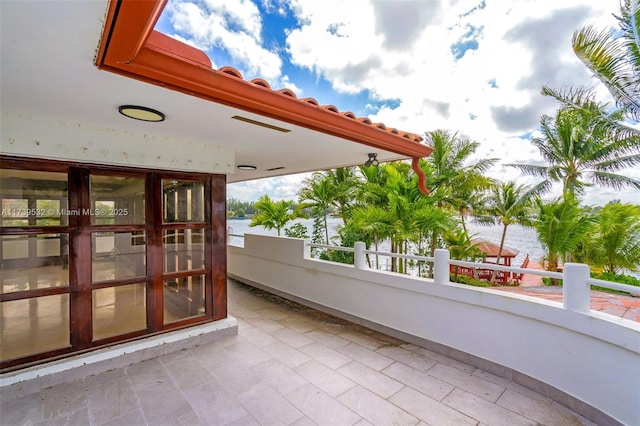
<point x="326" y="229"/>
<point x="504" y="234"/>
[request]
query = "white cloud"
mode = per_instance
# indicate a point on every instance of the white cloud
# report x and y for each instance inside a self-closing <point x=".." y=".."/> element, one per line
<point x="278" y="188"/>
<point x="413" y="51"/>
<point x="234" y="26"/>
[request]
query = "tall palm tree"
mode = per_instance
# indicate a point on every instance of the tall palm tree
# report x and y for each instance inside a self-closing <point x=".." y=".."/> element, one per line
<point x="561" y="225"/>
<point x="344" y="182"/>
<point x="472" y="201"/>
<point x="402" y="201"/>
<point x="450" y="173"/>
<point x="581" y="151"/>
<point x="450" y="167"/>
<point x="613" y="242"/>
<point x="615" y="57"/>
<point x="274" y="214"/>
<point x="319" y="192"/>
<point x="511" y="204"/>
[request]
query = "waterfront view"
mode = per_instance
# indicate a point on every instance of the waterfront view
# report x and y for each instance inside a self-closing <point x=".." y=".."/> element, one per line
<point x="519" y="238"/>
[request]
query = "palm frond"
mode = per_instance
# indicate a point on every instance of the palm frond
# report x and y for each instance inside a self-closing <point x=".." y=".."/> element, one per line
<point x="615" y="181"/>
<point x="615" y="61"/>
<point x="531" y="169"/>
<point x="617" y="163"/>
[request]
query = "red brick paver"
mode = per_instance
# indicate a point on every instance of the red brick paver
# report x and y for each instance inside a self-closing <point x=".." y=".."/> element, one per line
<point x="619" y="305"/>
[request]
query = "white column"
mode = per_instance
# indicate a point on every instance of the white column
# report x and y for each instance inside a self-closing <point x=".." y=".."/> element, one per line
<point x="441" y="266"/>
<point x="359" y="257"/>
<point x="576" y="292"/>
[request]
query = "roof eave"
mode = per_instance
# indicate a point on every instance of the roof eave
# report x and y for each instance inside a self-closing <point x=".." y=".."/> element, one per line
<point x="129" y="46"/>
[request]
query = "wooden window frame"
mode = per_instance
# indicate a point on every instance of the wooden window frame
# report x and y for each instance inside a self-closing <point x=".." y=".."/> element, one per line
<point x="79" y="230"/>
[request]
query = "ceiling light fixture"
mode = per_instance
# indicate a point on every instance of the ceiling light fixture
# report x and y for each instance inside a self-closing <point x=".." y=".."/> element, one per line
<point x="141" y="113"/>
<point x="372" y="161"/>
<point x="246" y="167"/>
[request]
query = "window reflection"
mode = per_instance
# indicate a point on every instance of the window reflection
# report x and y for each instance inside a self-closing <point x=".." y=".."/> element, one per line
<point x="117" y="255"/>
<point x="183" y="298"/>
<point x="183" y="250"/>
<point x="31" y="262"/>
<point x="32" y="326"/>
<point x="117" y="200"/>
<point x="33" y="198"/>
<point x="183" y="201"/>
<point x="119" y="310"/>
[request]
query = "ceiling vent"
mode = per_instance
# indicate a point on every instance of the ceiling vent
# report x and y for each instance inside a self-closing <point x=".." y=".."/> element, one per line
<point x="261" y="124"/>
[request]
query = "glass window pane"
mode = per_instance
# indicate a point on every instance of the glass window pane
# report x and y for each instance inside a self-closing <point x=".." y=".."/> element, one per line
<point x="34" y="262"/>
<point x="14" y="212"/>
<point x="183" y="201"/>
<point x="33" y="198"/>
<point x="48" y="213"/>
<point x="183" y="298"/>
<point x="117" y="200"/>
<point x="117" y="255"/>
<point x="119" y="310"/>
<point x="32" y="326"/>
<point x="183" y="250"/>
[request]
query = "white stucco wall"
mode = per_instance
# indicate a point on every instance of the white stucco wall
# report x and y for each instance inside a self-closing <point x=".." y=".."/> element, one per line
<point x="40" y="137"/>
<point x="592" y="357"/>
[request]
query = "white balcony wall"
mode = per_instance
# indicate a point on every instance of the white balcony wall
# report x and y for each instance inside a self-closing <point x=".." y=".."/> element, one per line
<point x="585" y="361"/>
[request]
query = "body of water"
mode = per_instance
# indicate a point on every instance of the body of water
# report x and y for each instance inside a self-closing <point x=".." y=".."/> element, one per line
<point x="520" y="239"/>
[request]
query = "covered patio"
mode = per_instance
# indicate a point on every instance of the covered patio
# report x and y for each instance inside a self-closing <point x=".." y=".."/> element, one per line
<point x="109" y="213"/>
<point x="288" y="365"/>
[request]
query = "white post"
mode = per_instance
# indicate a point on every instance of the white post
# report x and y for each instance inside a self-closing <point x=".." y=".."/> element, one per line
<point x="306" y="251"/>
<point x="441" y="266"/>
<point x="359" y="257"/>
<point x="575" y="290"/>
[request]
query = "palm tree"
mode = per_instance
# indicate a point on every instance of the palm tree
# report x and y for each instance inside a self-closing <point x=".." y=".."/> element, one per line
<point x="344" y="183"/>
<point x="462" y="247"/>
<point x="615" y="57"/>
<point x="374" y="222"/>
<point x="319" y="193"/>
<point x="511" y="204"/>
<point x="561" y="225"/>
<point x="613" y="242"/>
<point x="581" y="151"/>
<point x="473" y="201"/>
<point x="274" y="214"/>
<point x="402" y="201"/>
<point x="450" y="174"/>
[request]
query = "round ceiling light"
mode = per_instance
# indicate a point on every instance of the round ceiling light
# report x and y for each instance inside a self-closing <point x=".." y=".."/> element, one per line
<point x="141" y="113"/>
<point x="246" y="167"/>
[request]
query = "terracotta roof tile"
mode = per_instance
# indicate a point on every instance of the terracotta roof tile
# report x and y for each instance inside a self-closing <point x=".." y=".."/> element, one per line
<point x="313" y="102"/>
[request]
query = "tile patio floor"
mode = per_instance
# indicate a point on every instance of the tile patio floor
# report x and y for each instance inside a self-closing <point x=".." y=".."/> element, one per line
<point x="290" y="365"/>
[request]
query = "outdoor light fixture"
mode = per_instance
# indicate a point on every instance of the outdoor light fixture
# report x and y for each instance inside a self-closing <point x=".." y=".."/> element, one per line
<point x="246" y="167"/>
<point x="372" y="161"/>
<point x="141" y="113"/>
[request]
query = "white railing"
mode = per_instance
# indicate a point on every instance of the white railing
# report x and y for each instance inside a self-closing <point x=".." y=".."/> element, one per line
<point x="576" y="277"/>
<point x="537" y="343"/>
<point x="235" y="239"/>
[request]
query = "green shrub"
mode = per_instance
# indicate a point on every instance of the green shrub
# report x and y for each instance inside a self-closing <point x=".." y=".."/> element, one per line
<point x="463" y="279"/>
<point x="549" y="281"/>
<point x="605" y="276"/>
<point x="616" y="278"/>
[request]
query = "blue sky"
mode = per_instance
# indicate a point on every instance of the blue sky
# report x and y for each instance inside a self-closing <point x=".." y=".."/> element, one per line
<point x="475" y="67"/>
